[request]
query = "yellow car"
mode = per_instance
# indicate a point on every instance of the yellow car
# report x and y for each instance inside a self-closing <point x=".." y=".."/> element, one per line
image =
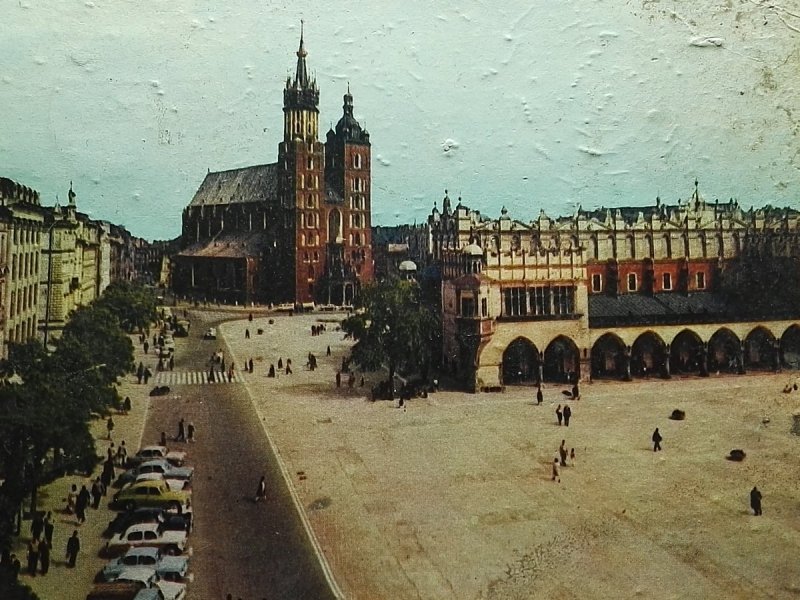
<point x="151" y="494"/>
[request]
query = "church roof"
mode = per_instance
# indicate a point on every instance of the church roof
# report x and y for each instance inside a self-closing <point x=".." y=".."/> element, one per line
<point x="258" y="183"/>
<point x="228" y="245"/>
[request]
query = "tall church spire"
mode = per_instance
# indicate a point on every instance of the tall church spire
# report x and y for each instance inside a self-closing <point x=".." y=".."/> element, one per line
<point x="301" y="75"/>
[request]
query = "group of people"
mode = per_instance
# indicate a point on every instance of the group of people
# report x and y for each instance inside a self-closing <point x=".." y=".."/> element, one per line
<point x="143" y="374"/>
<point x="288" y="368"/>
<point x="186" y="433"/>
<point x="563" y="415"/>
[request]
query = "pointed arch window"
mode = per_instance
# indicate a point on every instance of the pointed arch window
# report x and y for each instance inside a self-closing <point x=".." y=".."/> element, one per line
<point x="356" y="161"/>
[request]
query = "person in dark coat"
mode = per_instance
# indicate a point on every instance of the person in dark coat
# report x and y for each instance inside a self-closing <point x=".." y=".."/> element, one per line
<point x="73" y="547"/>
<point x="271" y="372"/>
<point x="567" y="414"/>
<point x="261" y="491"/>
<point x="181" y="431"/>
<point x="48" y="529"/>
<point x="539" y="395"/>
<point x="126" y="405"/>
<point x="250" y="364"/>
<point x="33" y="556"/>
<point x="329" y="351"/>
<point x="576" y="393"/>
<point x="247" y="334"/>
<point x="140" y="372"/>
<point x="147" y="374"/>
<point x="107" y="476"/>
<point x="146" y="346"/>
<point x="559" y="415"/>
<point x="338" y="379"/>
<point x="97" y="493"/>
<point x="110" y="426"/>
<point x="657" y="440"/>
<point x="81" y="503"/>
<point x="755" y="501"/>
<point x="37" y="526"/>
<point x="44" y="556"/>
<point x="562" y="453"/>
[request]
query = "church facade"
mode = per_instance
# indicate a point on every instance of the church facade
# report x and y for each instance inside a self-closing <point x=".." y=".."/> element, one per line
<point x="296" y="231"/>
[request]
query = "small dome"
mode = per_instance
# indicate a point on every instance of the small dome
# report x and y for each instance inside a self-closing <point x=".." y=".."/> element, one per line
<point x="472" y="250"/>
<point x="408" y="266"/>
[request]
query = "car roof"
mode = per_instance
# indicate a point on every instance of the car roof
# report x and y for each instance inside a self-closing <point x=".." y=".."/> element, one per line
<point x="143" y="527"/>
<point x="143" y="574"/>
<point x="143" y="551"/>
<point x="157" y="461"/>
<point x="146" y="483"/>
<point x="162" y="449"/>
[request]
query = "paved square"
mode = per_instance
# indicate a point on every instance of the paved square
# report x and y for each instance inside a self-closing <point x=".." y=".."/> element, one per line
<point x="452" y="498"/>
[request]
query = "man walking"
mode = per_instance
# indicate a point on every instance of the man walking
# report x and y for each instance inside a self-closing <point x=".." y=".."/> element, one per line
<point x="81" y="504"/>
<point x="37" y="525"/>
<point x="567" y="414"/>
<point x="44" y="556"/>
<point x="139" y="372"/>
<point x="97" y="493"/>
<point x="147" y="374"/>
<point x="656" y="440"/>
<point x="73" y="546"/>
<point x="559" y="415"/>
<point x="261" y="492"/>
<point x="539" y="395"/>
<point x="48" y="529"/>
<point x="181" y="431"/>
<point x="562" y="453"/>
<point x="755" y="501"/>
<point x="190" y="430"/>
<point x="110" y="426"/>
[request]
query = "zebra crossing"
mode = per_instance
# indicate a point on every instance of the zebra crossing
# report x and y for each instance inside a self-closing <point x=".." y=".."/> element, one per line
<point x="195" y="378"/>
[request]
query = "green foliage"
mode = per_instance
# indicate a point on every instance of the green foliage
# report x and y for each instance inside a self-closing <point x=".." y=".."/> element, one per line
<point x="763" y="286"/>
<point x="14" y="590"/>
<point x="394" y="328"/>
<point x="134" y="305"/>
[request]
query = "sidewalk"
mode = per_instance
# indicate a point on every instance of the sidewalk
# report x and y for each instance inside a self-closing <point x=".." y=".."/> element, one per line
<point x="72" y="584"/>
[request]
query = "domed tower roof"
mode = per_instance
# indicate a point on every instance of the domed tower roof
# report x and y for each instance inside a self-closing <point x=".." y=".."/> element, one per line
<point x="348" y="127"/>
<point x="472" y="250"/>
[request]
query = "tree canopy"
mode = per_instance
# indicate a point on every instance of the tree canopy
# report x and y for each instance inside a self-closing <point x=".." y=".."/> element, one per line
<point x="393" y="327"/>
<point x="133" y="304"/>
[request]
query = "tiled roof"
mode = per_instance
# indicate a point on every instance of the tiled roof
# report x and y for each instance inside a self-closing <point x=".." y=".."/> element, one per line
<point x="232" y="245"/>
<point x="249" y="184"/>
<point x="666" y="307"/>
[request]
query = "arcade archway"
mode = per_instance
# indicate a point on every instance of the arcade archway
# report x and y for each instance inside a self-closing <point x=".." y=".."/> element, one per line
<point x="561" y="361"/>
<point x="608" y="357"/>
<point x="790" y="347"/>
<point x="687" y="354"/>
<point x="520" y="363"/>
<point x="724" y="352"/>
<point x="760" y="350"/>
<point x="648" y="355"/>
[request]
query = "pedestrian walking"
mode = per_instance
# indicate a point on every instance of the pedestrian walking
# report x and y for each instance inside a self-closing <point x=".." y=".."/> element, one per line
<point x="247" y="334"/>
<point x="181" y="431"/>
<point x="572" y="456"/>
<point x="72" y="498"/>
<point x="73" y="547"/>
<point x="37" y="525"/>
<point x="559" y="414"/>
<point x="271" y="372"/>
<point x="280" y="362"/>
<point x="755" y="501"/>
<point x="250" y="364"/>
<point x="44" y="556"/>
<point x="657" y="440"/>
<point x="539" y="395"/>
<point x="122" y="454"/>
<point x="261" y="491"/>
<point x="97" y="493"/>
<point x="562" y="453"/>
<point x="146" y="346"/>
<point x="171" y="363"/>
<point x="81" y="504"/>
<point x="329" y="351"/>
<point x="140" y="372"/>
<point x="567" y="414"/>
<point x="110" y="426"/>
<point x="576" y="394"/>
<point x="126" y="405"/>
<point x="338" y="379"/>
<point x="555" y="471"/>
<point x="48" y="528"/>
<point x="190" y="430"/>
<point x="288" y="368"/>
<point x="33" y="556"/>
<point x="163" y="439"/>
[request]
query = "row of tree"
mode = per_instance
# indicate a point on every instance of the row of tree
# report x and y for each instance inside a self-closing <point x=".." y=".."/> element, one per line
<point x="48" y="398"/>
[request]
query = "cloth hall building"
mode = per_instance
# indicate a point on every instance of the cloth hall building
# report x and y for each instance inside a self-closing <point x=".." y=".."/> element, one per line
<point x="295" y="231"/>
<point x="612" y="293"/>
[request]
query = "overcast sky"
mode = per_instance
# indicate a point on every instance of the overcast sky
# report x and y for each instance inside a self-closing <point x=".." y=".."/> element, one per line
<point x="528" y="105"/>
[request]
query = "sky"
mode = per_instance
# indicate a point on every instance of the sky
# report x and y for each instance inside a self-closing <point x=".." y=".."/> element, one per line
<point x="525" y="105"/>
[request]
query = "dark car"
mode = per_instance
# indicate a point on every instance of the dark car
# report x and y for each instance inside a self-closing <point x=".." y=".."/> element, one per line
<point x="169" y="521"/>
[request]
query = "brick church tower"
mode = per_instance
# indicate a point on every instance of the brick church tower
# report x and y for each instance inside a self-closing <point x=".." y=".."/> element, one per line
<point x="322" y="242"/>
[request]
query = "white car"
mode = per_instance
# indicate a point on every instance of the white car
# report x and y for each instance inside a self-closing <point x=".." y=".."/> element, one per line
<point x="210" y="334"/>
<point x="136" y="579"/>
<point x="176" y="485"/>
<point x="157" y="452"/>
<point x="147" y="534"/>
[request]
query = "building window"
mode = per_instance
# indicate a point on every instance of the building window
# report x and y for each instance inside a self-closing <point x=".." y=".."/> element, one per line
<point x="515" y="302"/>
<point x="468" y="306"/>
<point x="356" y="161"/>
<point x="316" y="256"/>
<point x="666" y="281"/>
<point x="597" y="283"/>
<point x="310" y="162"/>
<point x="484" y="307"/>
<point x="563" y="300"/>
<point x="700" y="278"/>
<point x="631" y="282"/>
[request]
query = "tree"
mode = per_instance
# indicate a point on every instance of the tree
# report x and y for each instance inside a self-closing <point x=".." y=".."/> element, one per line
<point x="392" y="328"/>
<point x="762" y="286"/>
<point x="134" y="305"/>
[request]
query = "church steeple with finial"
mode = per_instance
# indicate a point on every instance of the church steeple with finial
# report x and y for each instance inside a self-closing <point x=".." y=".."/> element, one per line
<point x="301" y="100"/>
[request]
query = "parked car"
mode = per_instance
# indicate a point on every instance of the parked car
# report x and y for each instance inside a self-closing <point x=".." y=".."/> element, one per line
<point x="147" y="534"/>
<point x="138" y="583"/>
<point x="176" y="485"/>
<point x="285" y="307"/>
<point x="162" y="466"/>
<point x="182" y="328"/>
<point x="210" y="334"/>
<point x="156" y="452"/>
<point x="150" y="493"/>
<point x="167" y="567"/>
<point x="167" y="520"/>
<point x="160" y="390"/>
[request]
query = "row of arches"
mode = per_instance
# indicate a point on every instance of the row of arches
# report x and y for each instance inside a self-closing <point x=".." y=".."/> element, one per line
<point x="649" y="355"/>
